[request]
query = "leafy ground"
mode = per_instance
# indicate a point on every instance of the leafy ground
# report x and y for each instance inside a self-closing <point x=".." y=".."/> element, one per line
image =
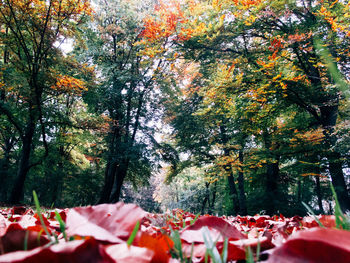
<point x="126" y="233"/>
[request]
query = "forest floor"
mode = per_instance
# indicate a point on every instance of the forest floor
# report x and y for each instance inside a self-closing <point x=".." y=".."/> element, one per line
<point x="126" y="233"/>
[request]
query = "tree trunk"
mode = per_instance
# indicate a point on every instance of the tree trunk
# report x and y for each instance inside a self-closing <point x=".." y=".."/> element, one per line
<point x="17" y="193"/>
<point x="242" y="198"/>
<point x="272" y="175"/>
<point x="233" y="193"/>
<point x="329" y="117"/>
<point x="119" y="180"/>
<point x="58" y="179"/>
<point x="212" y="206"/>
<point x="110" y="171"/>
<point x="319" y="194"/>
<point x="338" y="181"/>
<point x="4" y="169"/>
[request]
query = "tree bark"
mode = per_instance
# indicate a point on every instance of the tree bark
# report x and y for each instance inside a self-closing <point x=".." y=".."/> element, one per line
<point x="110" y="171"/>
<point x="119" y="180"/>
<point x="4" y="175"/>
<point x="329" y="117"/>
<point x="17" y="193"/>
<point x="233" y="193"/>
<point x="319" y="194"/>
<point x="242" y="197"/>
<point x="272" y="175"/>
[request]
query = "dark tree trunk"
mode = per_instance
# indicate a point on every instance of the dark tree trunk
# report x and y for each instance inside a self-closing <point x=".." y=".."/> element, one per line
<point x="206" y="198"/>
<point x="338" y="180"/>
<point x="319" y="194"/>
<point x="299" y="191"/>
<point x="110" y="171"/>
<point x="119" y="180"/>
<point x="17" y="193"/>
<point x="212" y="205"/>
<point x="4" y="176"/>
<point x="4" y="168"/>
<point x="272" y="175"/>
<point x="329" y="117"/>
<point x="242" y="198"/>
<point x="233" y="193"/>
<point x="58" y="179"/>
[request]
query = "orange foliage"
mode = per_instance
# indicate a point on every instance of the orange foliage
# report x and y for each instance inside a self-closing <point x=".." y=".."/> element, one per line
<point x="165" y="23"/>
<point x="67" y="84"/>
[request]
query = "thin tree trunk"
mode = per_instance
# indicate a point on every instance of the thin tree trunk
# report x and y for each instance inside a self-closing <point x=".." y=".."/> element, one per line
<point x="233" y="193"/>
<point x="4" y="175"/>
<point x="272" y="175"/>
<point x="212" y="206"/>
<point x="329" y="116"/>
<point x="119" y="180"/>
<point x="242" y="197"/>
<point x="17" y="193"/>
<point x="58" y="179"/>
<point x="206" y="198"/>
<point x="299" y="191"/>
<point x="338" y="181"/>
<point x="110" y="171"/>
<point x="319" y="194"/>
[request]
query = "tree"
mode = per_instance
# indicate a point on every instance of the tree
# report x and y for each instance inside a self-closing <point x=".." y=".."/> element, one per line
<point x="127" y="94"/>
<point x="32" y="29"/>
<point x="278" y="40"/>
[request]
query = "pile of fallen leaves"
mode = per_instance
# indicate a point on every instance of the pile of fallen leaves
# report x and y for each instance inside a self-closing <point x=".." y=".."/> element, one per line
<point x="126" y="233"/>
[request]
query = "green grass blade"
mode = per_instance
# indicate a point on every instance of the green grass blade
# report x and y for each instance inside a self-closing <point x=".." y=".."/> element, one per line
<point x="211" y="247"/>
<point x="25" y="247"/>
<point x="225" y="251"/>
<point x="341" y="220"/>
<point x="194" y="219"/>
<point x="258" y="250"/>
<point x="62" y="225"/>
<point x="175" y="236"/>
<point x="249" y="255"/>
<point x="313" y="214"/>
<point x="38" y="209"/>
<point x="133" y="233"/>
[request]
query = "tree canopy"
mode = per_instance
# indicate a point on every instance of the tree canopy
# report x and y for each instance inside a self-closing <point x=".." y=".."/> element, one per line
<point x="229" y="107"/>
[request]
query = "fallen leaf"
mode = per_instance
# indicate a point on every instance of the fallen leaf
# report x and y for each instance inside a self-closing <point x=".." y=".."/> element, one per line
<point x="107" y="222"/>
<point x="314" y="245"/>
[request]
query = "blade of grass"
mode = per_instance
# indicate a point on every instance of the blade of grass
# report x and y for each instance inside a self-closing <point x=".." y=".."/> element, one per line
<point x="225" y="251"/>
<point x="249" y="255"/>
<point x="62" y="225"/>
<point x="175" y="236"/>
<point x="26" y="241"/>
<point x="258" y="250"/>
<point x="133" y="233"/>
<point x="211" y="247"/>
<point x="313" y="214"/>
<point x="341" y="220"/>
<point x="194" y="219"/>
<point x="38" y="209"/>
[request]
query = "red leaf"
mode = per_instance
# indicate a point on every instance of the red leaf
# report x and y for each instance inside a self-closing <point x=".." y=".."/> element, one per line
<point x="18" y="210"/>
<point x="218" y="228"/>
<point x="3" y="225"/>
<point x="87" y="251"/>
<point x="314" y="245"/>
<point x="122" y="253"/>
<point x="15" y="235"/>
<point x="160" y="245"/>
<point x="106" y="222"/>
